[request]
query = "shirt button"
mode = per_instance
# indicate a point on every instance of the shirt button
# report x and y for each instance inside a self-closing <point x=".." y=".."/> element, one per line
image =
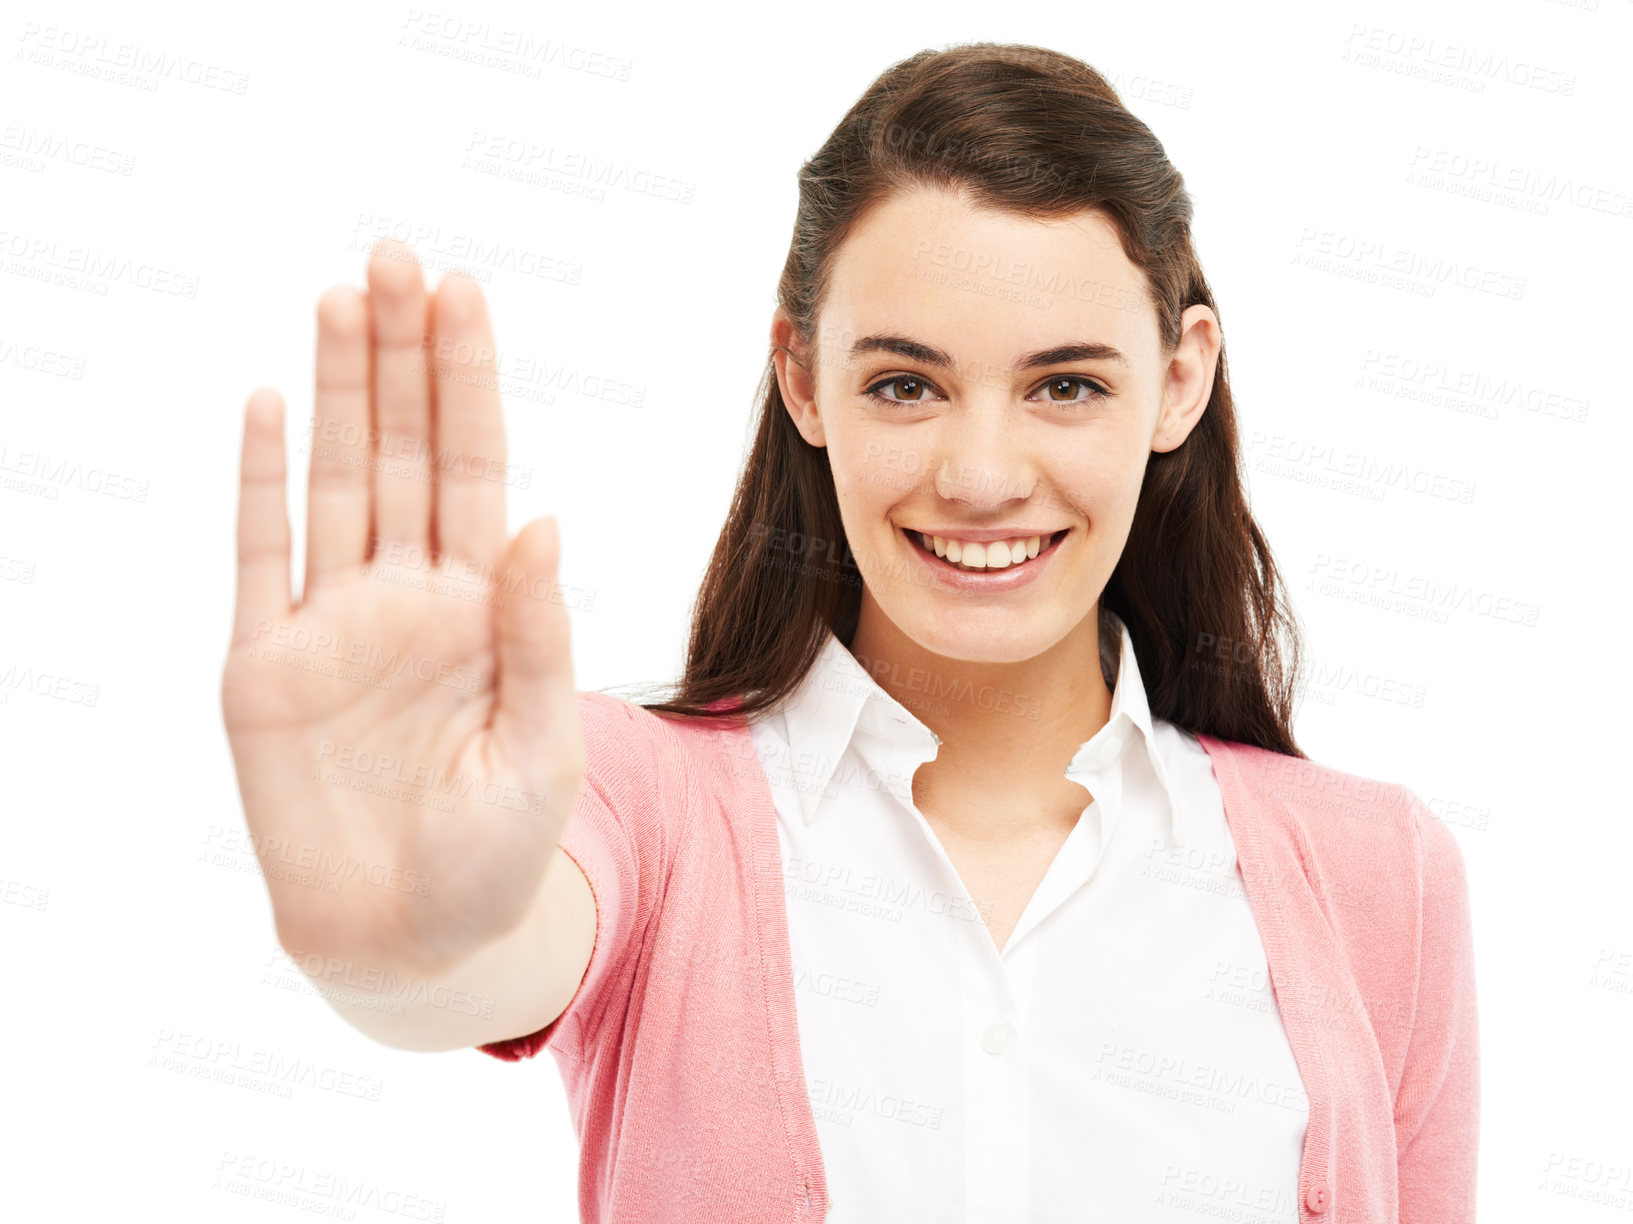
<point x="996" y="1038"/>
<point x="1317" y="1197"/>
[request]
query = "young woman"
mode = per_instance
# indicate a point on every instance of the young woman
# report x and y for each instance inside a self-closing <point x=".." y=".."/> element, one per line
<point x="972" y="872"/>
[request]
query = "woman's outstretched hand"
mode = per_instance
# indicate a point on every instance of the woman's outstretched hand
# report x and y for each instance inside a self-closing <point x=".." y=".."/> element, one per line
<point x="406" y="737"/>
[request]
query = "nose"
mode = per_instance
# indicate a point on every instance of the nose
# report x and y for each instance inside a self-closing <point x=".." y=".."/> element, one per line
<point x="982" y="456"/>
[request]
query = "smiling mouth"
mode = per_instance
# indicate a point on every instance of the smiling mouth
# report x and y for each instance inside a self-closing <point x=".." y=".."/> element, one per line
<point x="1006" y="561"/>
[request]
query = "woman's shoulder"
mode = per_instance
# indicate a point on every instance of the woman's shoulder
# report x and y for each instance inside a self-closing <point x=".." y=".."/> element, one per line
<point x="1363" y="834"/>
<point x="1359" y="859"/>
<point x="1324" y="801"/>
<point x="669" y="751"/>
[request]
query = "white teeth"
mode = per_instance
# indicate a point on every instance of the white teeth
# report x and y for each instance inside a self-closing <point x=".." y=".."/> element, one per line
<point x="995" y="554"/>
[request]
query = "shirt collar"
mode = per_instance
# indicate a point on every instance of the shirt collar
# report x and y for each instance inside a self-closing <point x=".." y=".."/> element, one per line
<point x="837" y="701"/>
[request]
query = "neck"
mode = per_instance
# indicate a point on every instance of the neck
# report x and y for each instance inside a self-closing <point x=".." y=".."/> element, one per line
<point x="1007" y="730"/>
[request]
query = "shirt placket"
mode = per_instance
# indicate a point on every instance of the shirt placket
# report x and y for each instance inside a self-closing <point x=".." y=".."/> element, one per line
<point x="995" y="989"/>
<point x="997" y="993"/>
<point x="991" y="1025"/>
<point x="997" y="1140"/>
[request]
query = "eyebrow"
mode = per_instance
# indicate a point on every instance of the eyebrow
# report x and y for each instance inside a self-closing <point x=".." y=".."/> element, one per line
<point x="930" y="355"/>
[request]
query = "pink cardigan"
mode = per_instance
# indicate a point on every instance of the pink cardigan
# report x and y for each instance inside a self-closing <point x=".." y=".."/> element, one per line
<point x="680" y="1051"/>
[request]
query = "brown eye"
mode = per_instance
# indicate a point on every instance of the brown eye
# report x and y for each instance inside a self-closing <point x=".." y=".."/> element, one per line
<point x="917" y="390"/>
<point x="1093" y="392"/>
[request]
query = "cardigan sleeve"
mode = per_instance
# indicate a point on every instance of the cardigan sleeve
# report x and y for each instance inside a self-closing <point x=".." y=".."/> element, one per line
<point x="615" y="837"/>
<point x="1437" y="1109"/>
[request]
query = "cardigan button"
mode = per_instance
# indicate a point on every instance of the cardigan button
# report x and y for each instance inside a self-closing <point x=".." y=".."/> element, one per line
<point x="1317" y="1197"/>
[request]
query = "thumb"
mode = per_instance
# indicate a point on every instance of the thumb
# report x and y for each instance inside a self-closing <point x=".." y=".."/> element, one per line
<point x="537" y="706"/>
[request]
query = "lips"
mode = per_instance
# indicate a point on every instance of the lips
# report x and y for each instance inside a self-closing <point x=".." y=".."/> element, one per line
<point x="996" y="554"/>
<point x="987" y="581"/>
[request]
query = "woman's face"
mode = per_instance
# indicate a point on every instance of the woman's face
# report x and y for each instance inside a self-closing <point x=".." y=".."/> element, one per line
<point x="988" y="378"/>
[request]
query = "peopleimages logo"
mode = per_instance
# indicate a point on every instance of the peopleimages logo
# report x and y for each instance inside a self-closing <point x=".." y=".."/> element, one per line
<point x="1385" y="262"/>
<point x="1450" y="63"/>
<point x="1491" y="180"/>
<point x="123" y="63"/>
<point x="517" y="51"/>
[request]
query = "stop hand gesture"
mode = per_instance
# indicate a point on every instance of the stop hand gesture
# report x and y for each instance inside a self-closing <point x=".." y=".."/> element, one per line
<point x="412" y="723"/>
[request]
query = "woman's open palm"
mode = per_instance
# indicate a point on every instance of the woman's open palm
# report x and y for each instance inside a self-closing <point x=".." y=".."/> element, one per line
<point x="406" y="738"/>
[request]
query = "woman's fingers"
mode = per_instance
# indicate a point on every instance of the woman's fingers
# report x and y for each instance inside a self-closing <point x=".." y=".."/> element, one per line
<point x="470" y="430"/>
<point x="337" y="508"/>
<point x="263" y="519"/>
<point x="402" y="397"/>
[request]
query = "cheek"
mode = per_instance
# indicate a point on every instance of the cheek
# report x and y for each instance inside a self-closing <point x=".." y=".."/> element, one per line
<point x="869" y="474"/>
<point x="1101" y="480"/>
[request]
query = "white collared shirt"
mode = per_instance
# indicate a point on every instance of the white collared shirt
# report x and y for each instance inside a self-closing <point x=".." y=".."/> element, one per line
<point x="1122" y="1059"/>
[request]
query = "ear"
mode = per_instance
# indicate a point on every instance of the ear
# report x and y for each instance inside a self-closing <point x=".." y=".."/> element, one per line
<point x="1188" y="381"/>
<point x="792" y="363"/>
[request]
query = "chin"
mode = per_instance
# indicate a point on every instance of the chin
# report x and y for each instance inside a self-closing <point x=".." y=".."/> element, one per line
<point x="984" y="635"/>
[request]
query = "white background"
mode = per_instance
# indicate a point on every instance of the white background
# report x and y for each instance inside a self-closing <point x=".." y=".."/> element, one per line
<point x="1312" y="129"/>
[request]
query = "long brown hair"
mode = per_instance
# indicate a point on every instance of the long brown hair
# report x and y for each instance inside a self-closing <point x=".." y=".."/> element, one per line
<point x="1043" y="135"/>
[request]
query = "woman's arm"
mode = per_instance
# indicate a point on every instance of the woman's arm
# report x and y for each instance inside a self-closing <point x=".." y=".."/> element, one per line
<point x="518" y="983"/>
<point x="1437" y="1110"/>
